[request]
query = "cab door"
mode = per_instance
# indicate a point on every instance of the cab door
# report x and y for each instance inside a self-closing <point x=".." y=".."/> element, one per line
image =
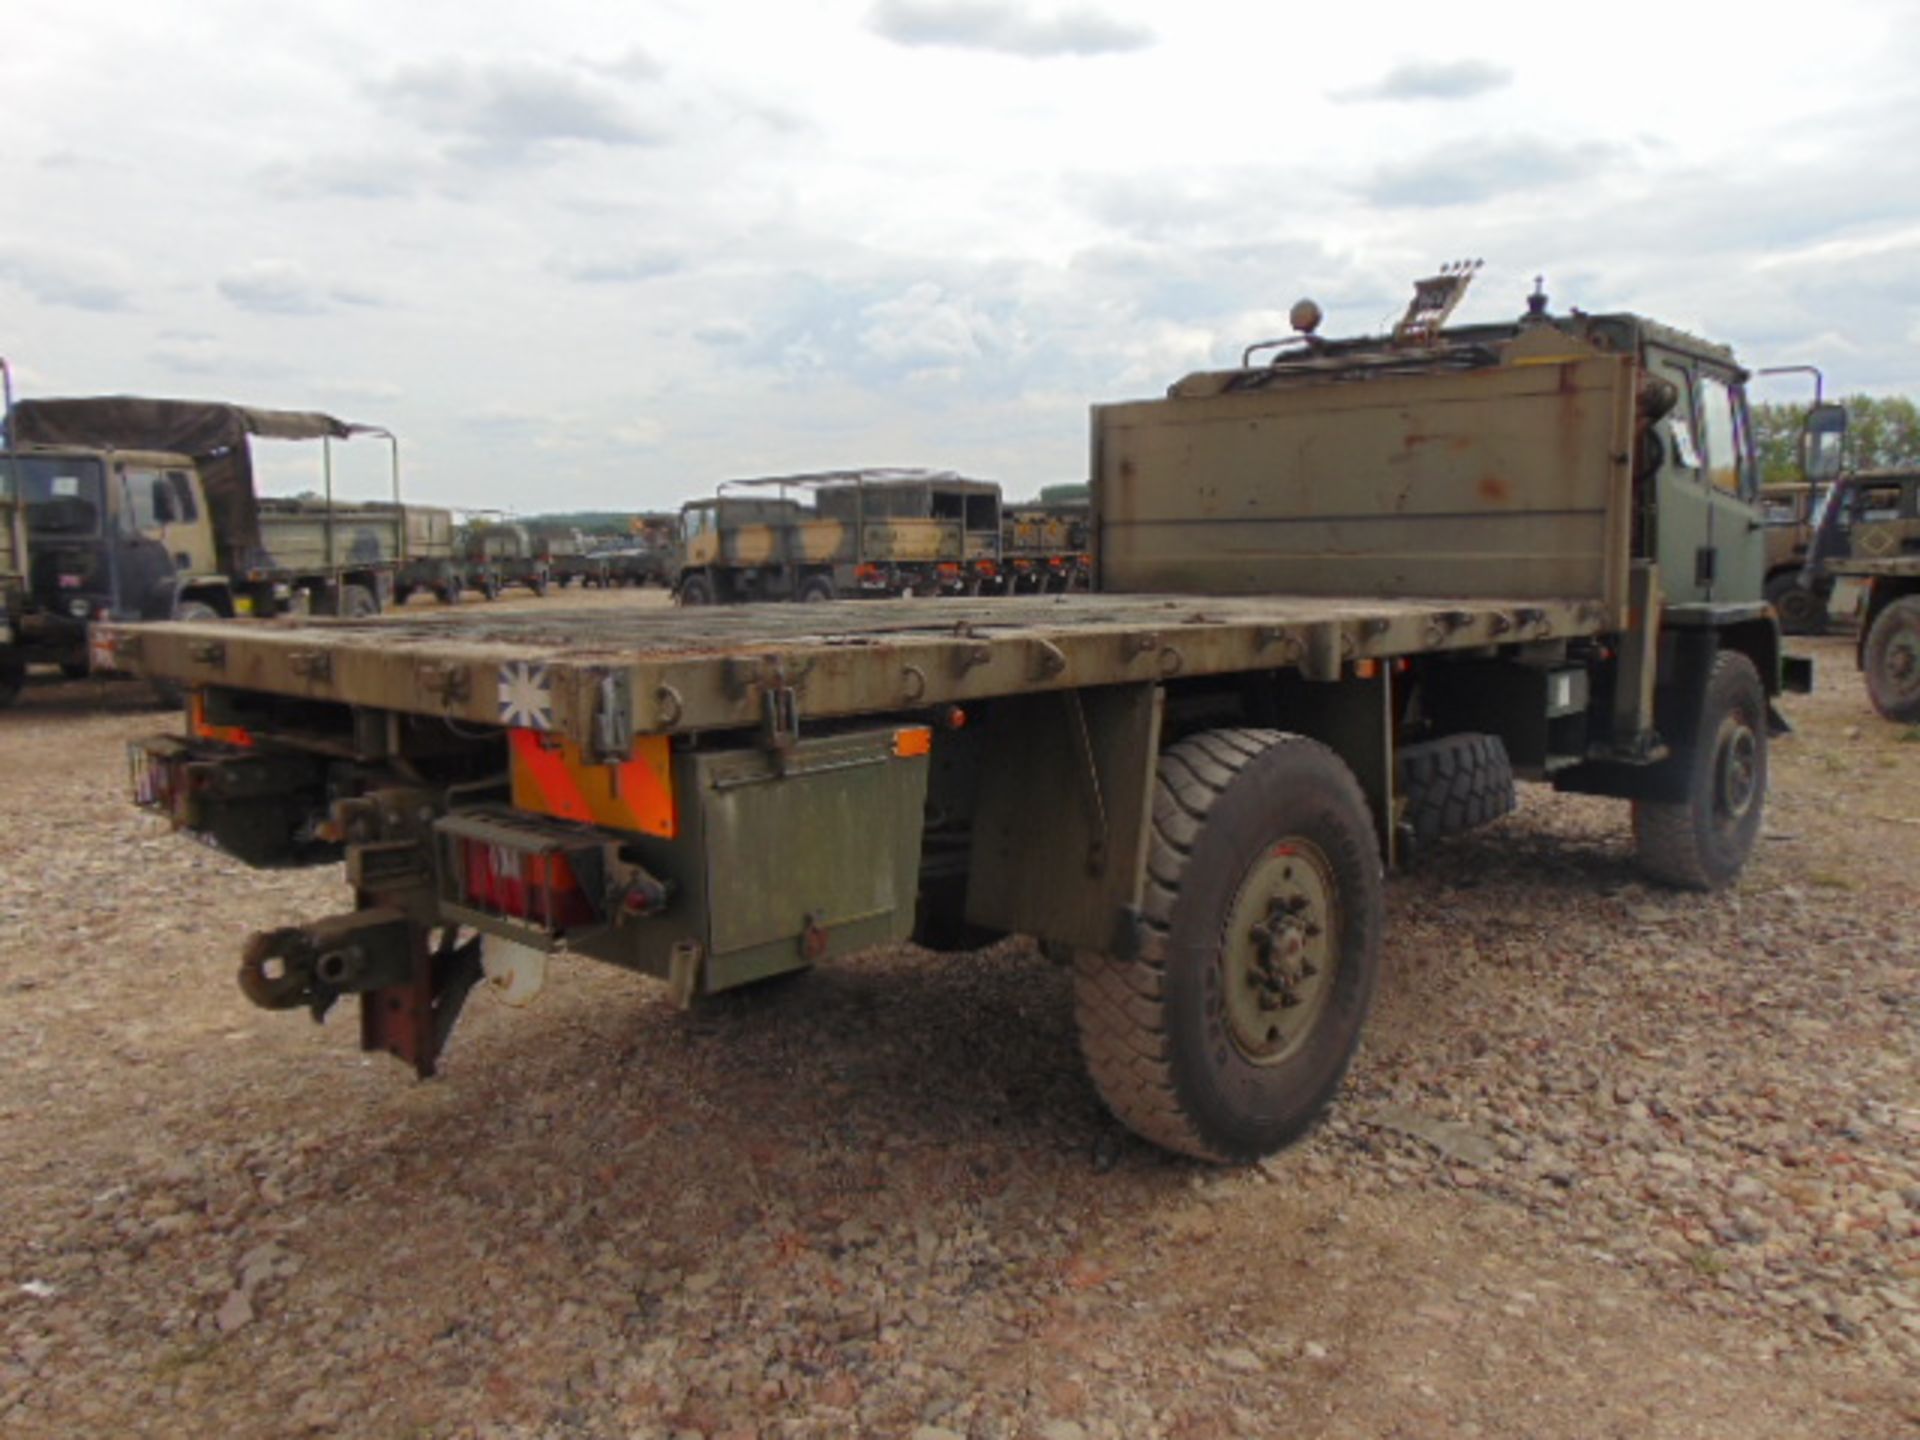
<point x="1684" y="546"/>
<point x="1736" y="530"/>
<point x="143" y="563"/>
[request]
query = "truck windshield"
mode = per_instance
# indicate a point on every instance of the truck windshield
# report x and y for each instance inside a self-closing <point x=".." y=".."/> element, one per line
<point x="61" y="496"/>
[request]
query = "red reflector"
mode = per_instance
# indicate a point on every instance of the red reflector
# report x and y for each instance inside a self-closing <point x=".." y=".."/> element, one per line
<point x="538" y="888"/>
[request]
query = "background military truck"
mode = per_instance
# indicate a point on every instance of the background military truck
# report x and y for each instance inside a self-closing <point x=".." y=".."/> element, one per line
<point x="1869" y="533"/>
<point x="1045" y="543"/>
<point x="13" y="583"/>
<point x="841" y="533"/>
<point x="145" y="509"/>
<point x="1343" y="597"/>
<point x="1790" y="511"/>
<point x="497" y="553"/>
<point x="574" y="558"/>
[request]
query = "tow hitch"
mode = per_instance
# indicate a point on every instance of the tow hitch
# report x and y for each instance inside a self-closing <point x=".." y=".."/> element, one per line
<point x="410" y="994"/>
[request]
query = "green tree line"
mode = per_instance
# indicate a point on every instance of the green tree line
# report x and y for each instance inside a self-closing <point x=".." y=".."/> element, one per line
<point x="1882" y="431"/>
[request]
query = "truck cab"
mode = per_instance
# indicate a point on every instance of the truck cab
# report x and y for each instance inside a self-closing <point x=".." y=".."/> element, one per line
<point x="109" y="534"/>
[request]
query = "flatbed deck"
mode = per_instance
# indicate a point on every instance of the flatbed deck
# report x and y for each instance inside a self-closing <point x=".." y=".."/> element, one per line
<point x="597" y="673"/>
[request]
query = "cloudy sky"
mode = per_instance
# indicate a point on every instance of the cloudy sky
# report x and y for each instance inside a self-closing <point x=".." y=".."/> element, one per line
<point x="594" y="255"/>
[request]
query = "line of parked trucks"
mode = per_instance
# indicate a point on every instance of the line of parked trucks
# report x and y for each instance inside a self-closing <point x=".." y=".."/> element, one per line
<point x="123" y="508"/>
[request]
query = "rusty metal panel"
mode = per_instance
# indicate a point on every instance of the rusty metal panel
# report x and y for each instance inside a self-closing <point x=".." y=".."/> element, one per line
<point x="1513" y="479"/>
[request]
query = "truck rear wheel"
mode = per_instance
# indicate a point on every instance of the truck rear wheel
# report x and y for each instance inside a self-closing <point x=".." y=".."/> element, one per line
<point x="1228" y="1035"/>
<point x="1702" y="841"/>
<point x="1454" y="784"/>
<point x="1891" y="659"/>
<point x="13" y="678"/>
<point x="815" y="589"/>
<point x="1801" y="612"/>
<point x="357" y="602"/>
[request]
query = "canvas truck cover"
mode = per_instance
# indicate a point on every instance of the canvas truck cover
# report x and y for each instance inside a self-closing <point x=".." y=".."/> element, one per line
<point x="213" y="433"/>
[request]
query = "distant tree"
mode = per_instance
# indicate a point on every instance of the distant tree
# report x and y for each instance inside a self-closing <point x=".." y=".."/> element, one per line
<point x="1882" y="431"/>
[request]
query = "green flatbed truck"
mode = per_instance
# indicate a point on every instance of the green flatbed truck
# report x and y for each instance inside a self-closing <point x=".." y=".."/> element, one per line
<point x="1345" y="595"/>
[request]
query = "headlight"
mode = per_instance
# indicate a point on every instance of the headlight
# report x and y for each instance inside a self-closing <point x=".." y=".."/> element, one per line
<point x="79" y="609"/>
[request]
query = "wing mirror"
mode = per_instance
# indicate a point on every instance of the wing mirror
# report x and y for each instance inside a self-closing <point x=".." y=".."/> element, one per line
<point x="1822" y="438"/>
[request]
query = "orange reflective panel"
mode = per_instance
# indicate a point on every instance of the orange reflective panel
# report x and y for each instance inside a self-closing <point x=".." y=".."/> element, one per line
<point x="551" y="778"/>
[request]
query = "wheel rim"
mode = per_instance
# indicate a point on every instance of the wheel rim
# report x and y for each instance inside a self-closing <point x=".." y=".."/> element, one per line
<point x="1736" y="770"/>
<point x="1900" y="664"/>
<point x="1280" y="951"/>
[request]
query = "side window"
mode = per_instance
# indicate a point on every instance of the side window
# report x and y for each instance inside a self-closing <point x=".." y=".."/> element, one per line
<point x="182" y="487"/>
<point x="147" y="503"/>
<point x="1873" y="504"/>
<point x="1720" y="427"/>
<point x="1682" y="437"/>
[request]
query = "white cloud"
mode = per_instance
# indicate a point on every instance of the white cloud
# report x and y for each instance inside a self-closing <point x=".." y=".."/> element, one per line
<point x="1007" y="28"/>
<point x="1434" y="80"/>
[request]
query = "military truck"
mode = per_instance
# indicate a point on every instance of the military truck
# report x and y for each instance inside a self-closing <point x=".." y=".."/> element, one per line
<point x="13" y="589"/>
<point x="1790" y="511"/>
<point x="146" y="509"/>
<point x="1045" y="543"/>
<point x="1346" y="593"/>
<point x="495" y="554"/>
<point x="1869" y="533"/>
<point x="575" y="559"/>
<point x="840" y="534"/>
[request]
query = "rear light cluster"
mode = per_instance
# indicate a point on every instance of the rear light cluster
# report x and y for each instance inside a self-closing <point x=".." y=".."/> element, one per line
<point x="535" y="879"/>
<point x="538" y="888"/>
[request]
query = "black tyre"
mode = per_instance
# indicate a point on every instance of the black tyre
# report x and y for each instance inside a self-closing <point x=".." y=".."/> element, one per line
<point x="815" y="589"/>
<point x="695" y="590"/>
<point x="1228" y="1036"/>
<point x="75" y="669"/>
<point x="401" y="594"/>
<point x="1453" y="784"/>
<point x="1891" y="658"/>
<point x="357" y="602"/>
<point x="1702" y="841"/>
<point x="1801" y="611"/>
<point x="13" y="679"/>
<point x="490" y="588"/>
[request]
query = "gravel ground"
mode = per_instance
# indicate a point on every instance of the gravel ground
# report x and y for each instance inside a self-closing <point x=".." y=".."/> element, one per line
<point x="1614" y="1162"/>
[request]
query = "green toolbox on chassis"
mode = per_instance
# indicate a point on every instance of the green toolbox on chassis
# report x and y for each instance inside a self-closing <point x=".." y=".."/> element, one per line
<point x="1347" y="592"/>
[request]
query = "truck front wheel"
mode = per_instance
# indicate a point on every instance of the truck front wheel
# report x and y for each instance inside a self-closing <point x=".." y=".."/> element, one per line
<point x="1892" y="661"/>
<point x="1700" y="842"/>
<point x="1228" y="1035"/>
<point x="695" y="590"/>
<point x="1801" y="612"/>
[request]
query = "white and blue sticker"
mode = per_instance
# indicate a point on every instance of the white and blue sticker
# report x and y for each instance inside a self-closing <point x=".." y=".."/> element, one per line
<point x="526" y="696"/>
